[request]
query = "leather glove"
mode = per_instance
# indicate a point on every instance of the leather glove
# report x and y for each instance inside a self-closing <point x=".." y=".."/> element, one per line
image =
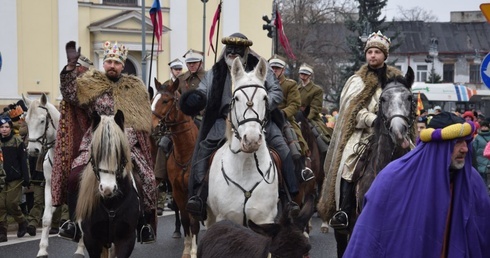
<point x="72" y="54"/>
<point x="193" y="100"/>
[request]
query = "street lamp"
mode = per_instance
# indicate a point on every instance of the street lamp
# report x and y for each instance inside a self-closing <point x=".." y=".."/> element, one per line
<point x="433" y="53"/>
<point x="477" y="59"/>
<point x="365" y="32"/>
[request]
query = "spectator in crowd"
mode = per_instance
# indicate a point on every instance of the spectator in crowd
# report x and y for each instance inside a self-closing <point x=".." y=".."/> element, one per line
<point x="481" y="163"/>
<point x="17" y="176"/>
<point x="421" y="124"/>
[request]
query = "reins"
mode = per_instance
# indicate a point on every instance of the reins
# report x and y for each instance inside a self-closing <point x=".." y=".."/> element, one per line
<point x="43" y="138"/>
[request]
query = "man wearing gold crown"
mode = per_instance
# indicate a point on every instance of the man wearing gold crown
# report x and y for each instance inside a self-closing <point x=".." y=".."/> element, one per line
<point x="105" y="93"/>
<point x="214" y="93"/>
<point x="358" y="107"/>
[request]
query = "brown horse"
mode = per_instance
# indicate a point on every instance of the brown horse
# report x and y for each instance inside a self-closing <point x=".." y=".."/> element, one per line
<point x="183" y="132"/>
<point x="314" y="161"/>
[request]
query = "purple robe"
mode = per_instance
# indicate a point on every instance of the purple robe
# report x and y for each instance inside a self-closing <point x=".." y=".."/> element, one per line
<point x="406" y="208"/>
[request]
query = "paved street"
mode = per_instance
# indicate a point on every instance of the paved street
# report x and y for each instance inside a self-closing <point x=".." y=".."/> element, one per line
<point x="323" y="245"/>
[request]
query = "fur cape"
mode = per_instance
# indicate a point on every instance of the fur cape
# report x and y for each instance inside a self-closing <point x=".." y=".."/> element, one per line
<point x="130" y="96"/>
<point x="343" y="130"/>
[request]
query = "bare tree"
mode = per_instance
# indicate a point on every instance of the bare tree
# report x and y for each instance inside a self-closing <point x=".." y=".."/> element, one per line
<point x="414" y="14"/>
<point x="314" y="43"/>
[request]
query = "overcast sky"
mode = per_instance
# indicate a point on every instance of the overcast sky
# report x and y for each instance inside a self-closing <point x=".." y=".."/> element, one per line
<point x="440" y="8"/>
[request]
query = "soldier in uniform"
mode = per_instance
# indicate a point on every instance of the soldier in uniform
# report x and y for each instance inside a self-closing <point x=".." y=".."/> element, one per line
<point x="195" y="71"/>
<point x="312" y="96"/>
<point x="175" y="70"/>
<point x="289" y="107"/>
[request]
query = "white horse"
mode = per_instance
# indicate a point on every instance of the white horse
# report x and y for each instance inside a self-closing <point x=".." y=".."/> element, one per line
<point x="42" y="122"/>
<point x="243" y="179"/>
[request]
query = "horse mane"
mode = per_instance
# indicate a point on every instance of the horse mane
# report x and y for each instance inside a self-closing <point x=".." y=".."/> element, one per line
<point x="109" y="146"/>
<point x="371" y="162"/>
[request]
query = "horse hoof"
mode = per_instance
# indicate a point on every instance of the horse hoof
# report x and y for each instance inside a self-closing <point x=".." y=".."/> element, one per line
<point x="324" y="230"/>
<point x="177" y="235"/>
<point x="42" y="256"/>
<point x="78" y="256"/>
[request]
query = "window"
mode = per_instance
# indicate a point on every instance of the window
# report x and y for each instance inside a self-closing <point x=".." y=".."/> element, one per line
<point x="122" y="2"/>
<point x="448" y="73"/>
<point x="475" y="73"/>
<point x="421" y="73"/>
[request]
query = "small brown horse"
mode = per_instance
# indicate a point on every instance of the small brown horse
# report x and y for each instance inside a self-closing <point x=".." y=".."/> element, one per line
<point x="314" y="161"/>
<point x="183" y="132"/>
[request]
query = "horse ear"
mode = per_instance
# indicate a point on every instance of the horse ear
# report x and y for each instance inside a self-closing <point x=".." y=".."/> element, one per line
<point x="173" y="85"/>
<point x="95" y="120"/>
<point x="270" y="229"/>
<point x="119" y="118"/>
<point x="261" y="70"/>
<point x="26" y="100"/>
<point x="237" y="70"/>
<point x="306" y="212"/>
<point x="410" y="76"/>
<point x="44" y="99"/>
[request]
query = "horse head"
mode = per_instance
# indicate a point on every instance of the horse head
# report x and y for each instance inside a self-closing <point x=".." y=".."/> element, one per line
<point x="109" y="152"/>
<point x="164" y="105"/>
<point x="249" y="106"/>
<point x="42" y="119"/>
<point x="397" y="108"/>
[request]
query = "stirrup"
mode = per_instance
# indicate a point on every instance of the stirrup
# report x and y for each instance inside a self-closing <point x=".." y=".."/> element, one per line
<point x="339" y="223"/>
<point x="307" y="174"/>
<point x="151" y="235"/>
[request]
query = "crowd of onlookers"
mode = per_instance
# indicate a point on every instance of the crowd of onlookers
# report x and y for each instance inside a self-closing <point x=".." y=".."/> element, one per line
<point x="480" y="139"/>
<point x="21" y="185"/>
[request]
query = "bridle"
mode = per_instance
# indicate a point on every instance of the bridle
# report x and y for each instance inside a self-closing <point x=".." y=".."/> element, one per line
<point x="43" y="139"/>
<point x="166" y="122"/>
<point x="250" y="105"/>
<point x="387" y="120"/>
<point x="118" y="172"/>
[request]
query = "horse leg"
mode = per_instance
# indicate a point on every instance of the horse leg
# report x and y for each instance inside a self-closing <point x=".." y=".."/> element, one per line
<point x="342" y="240"/>
<point x="47" y="215"/>
<point x="123" y="247"/>
<point x="324" y="227"/>
<point x="79" y="253"/>
<point x="178" y="224"/>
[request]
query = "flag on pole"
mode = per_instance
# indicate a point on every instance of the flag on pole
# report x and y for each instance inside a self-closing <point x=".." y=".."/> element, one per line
<point x="282" y="36"/>
<point x="217" y="14"/>
<point x="157" y="21"/>
<point x="420" y="105"/>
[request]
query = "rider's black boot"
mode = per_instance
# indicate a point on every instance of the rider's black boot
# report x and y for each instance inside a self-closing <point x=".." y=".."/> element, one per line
<point x="145" y="233"/>
<point x="196" y="205"/>
<point x="340" y="220"/>
<point x="70" y="230"/>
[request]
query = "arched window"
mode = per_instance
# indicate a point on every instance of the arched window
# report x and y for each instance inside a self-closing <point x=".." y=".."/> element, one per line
<point x="129" y="68"/>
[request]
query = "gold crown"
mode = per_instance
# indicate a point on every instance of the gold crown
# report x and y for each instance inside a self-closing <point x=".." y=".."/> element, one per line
<point x="116" y="52"/>
<point x="378" y="40"/>
<point x="13" y="113"/>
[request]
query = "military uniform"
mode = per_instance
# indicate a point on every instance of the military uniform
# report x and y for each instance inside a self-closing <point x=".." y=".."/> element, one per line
<point x="188" y="81"/>
<point x="290" y="105"/>
<point x="312" y="95"/>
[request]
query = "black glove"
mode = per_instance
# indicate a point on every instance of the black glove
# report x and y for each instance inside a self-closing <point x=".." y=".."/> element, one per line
<point x="72" y="54"/>
<point x="26" y="183"/>
<point x="193" y="100"/>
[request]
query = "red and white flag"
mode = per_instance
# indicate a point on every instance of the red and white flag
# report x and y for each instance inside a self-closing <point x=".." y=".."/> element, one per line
<point x="283" y="39"/>
<point x="216" y="17"/>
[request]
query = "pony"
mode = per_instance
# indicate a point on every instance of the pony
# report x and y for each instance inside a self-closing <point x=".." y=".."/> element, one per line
<point x="283" y="239"/>
<point x="183" y="132"/>
<point x="243" y="179"/>
<point x="393" y="135"/>
<point x="108" y="204"/>
<point x="315" y="161"/>
<point x="42" y="120"/>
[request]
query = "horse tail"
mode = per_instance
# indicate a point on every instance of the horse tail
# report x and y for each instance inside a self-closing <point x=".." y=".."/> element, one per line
<point x="88" y="196"/>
